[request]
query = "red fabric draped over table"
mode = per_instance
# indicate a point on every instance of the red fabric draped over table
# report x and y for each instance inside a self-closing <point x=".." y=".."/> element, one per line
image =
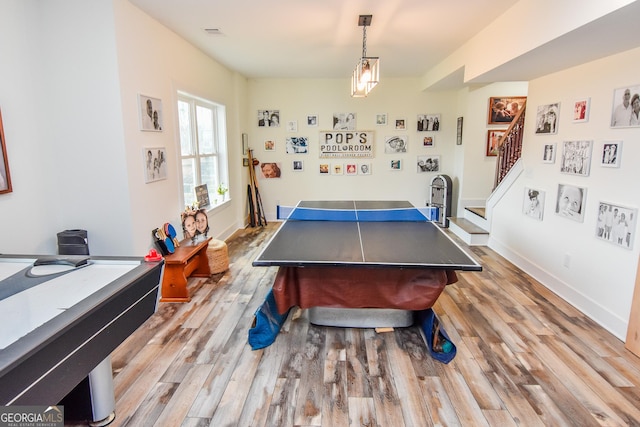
<point x="344" y="287"/>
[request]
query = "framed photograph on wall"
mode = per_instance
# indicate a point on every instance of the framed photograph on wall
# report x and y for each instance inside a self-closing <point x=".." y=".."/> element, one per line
<point x="581" y="110"/>
<point x="5" y="176"/>
<point x="623" y="111"/>
<point x="428" y="164"/>
<point x="312" y="120"/>
<point x="269" y="145"/>
<point x="150" y="113"/>
<point x="268" y="118"/>
<point x="547" y="118"/>
<point x="297" y="165"/>
<point x="351" y="169"/>
<point x="616" y="224"/>
<point x="344" y="121"/>
<point x="155" y="164"/>
<point x="504" y="109"/>
<point x="381" y="119"/>
<point x="549" y="153"/>
<point x="364" y="169"/>
<point x="570" y="201"/>
<point x="401" y="124"/>
<point x="428" y="141"/>
<point x="395" y="164"/>
<point x="611" y="154"/>
<point x="576" y="157"/>
<point x="297" y="145"/>
<point x="324" y="168"/>
<point x="533" y="204"/>
<point x="493" y="139"/>
<point x="395" y="144"/>
<point x="428" y="122"/>
<point x="292" y="126"/>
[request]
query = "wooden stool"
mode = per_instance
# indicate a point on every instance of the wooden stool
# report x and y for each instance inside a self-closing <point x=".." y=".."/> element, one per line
<point x="218" y="255"/>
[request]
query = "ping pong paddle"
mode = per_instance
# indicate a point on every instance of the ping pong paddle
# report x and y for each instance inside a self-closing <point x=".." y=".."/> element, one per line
<point x="171" y="233"/>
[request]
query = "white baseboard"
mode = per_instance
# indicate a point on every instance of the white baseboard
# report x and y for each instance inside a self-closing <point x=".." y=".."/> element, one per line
<point x="605" y="318"/>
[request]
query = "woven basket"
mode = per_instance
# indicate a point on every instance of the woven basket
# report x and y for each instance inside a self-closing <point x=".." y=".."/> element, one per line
<point x="218" y="255"/>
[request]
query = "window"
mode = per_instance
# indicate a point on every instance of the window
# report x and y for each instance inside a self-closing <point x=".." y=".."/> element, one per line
<point x="203" y="147"/>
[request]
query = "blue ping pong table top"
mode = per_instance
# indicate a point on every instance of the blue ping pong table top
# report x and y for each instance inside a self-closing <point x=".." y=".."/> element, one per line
<point x="369" y="240"/>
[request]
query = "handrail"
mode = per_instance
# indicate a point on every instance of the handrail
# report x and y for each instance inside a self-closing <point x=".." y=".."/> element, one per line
<point x="510" y="146"/>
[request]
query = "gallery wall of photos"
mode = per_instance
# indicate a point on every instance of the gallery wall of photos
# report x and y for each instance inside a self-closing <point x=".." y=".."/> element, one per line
<point x="616" y="223"/>
<point x="347" y="151"/>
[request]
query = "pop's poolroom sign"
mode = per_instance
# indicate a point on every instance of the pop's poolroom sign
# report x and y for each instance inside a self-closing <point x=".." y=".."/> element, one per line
<point x="346" y="144"/>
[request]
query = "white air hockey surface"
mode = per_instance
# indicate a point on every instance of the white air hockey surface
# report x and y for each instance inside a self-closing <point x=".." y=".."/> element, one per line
<point x="25" y="311"/>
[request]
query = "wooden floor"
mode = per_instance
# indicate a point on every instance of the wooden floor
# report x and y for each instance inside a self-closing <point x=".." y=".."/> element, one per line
<point x="525" y="357"/>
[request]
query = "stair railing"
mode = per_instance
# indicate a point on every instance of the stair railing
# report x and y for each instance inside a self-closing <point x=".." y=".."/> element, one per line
<point x="510" y="146"/>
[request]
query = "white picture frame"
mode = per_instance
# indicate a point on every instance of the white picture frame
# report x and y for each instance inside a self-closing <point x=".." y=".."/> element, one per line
<point x="616" y="224"/>
<point x="576" y="157"/>
<point x="312" y="120"/>
<point x="395" y="164"/>
<point x="428" y="164"/>
<point x="571" y="201"/>
<point x="151" y="118"/>
<point x="381" y="119"/>
<point x="621" y="116"/>
<point x="155" y="164"/>
<point x="581" y="110"/>
<point x="292" y="126"/>
<point x="533" y="203"/>
<point x="396" y="144"/>
<point x="611" y="154"/>
<point x="547" y="119"/>
<point x="549" y="152"/>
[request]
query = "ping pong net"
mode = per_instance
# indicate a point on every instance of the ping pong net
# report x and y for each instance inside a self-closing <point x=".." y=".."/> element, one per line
<point x="412" y="214"/>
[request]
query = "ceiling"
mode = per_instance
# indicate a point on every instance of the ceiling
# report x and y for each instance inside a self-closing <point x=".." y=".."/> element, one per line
<point x="322" y="39"/>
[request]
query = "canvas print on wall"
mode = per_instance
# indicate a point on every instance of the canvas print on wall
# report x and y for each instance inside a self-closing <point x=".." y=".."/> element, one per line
<point x="344" y="121"/>
<point x="428" y="122"/>
<point x="504" y="110"/>
<point x="576" y="157"/>
<point x="625" y="111"/>
<point x="611" y="154"/>
<point x="428" y="163"/>
<point x="270" y="170"/>
<point x="155" y="164"/>
<point x="150" y="113"/>
<point x="533" y="205"/>
<point x="297" y="145"/>
<point x="571" y="201"/>
<point x="616" y="224"/>
<point x="549" y="153"/>
<point x="547" y="118"/>
<point x="395" y="144"/>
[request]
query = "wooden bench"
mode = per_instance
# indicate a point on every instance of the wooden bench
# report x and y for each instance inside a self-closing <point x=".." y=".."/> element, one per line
<point x="188" y="260"/>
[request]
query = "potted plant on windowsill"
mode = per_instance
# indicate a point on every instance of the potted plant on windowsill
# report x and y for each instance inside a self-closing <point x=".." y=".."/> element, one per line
<point x="222" y="190"/>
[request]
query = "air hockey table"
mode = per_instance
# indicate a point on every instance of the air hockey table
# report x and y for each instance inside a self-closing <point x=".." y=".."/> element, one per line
<point x="60" y="319"/>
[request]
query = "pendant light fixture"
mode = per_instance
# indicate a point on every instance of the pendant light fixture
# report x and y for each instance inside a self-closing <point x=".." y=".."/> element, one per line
<point x="367" y="72"/>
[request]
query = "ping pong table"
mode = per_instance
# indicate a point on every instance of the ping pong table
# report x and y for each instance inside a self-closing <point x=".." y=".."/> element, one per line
<point x="381" y="255"/>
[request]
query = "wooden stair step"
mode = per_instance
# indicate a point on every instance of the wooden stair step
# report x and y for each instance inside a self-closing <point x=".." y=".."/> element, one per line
<point x="468" y="226"/>
<point x="478" y="210"/>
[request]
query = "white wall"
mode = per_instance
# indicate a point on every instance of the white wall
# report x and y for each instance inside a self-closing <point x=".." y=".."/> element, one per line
<point x="69" y="104"/>
<point x="600" y="277"/>
<point x="399" y="98"/>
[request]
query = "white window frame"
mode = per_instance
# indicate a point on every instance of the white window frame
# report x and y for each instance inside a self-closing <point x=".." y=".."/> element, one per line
<point x="220" y="152"/>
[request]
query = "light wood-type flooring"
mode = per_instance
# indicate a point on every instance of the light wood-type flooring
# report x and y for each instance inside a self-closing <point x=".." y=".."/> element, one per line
<point x="525" y="357"/>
